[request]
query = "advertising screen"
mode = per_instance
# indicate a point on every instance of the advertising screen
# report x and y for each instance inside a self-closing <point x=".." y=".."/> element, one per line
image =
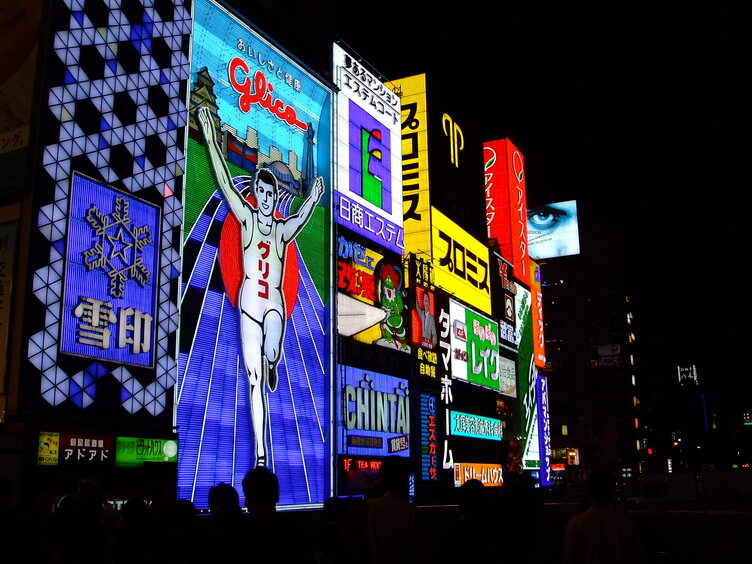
<point x="368" y="195"/>
<point x="552" y="230"/>
<point x="506" y="203"/>
<point x="416" y="203"/>
<point x="375" y="416"/>
<point x="371" y="297"/>
<point x="461" y="262"/>
<point x="254" y="356"/>
<point x="475" y="346"/>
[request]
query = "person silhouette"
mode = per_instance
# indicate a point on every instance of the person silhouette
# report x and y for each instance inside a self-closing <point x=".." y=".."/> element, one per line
<point x="394" y="530"/>
<point x="602" y="533"/>
<point x="261" y="303"/>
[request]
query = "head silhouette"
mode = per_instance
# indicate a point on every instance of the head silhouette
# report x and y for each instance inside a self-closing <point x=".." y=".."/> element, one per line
<point x="261" y="490"/>
<point x="600" y="487"/>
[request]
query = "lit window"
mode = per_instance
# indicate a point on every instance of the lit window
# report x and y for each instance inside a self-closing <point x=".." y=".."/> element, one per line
<point x="564" y="430"/>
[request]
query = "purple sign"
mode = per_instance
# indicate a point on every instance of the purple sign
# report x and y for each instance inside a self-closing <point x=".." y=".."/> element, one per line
<point x="111" y="270"/>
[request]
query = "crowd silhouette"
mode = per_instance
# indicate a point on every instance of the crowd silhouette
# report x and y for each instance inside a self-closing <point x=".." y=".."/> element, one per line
<point x="378" y="527"/>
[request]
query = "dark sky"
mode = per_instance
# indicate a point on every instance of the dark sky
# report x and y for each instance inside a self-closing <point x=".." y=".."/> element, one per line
<point x="638" y="113"/>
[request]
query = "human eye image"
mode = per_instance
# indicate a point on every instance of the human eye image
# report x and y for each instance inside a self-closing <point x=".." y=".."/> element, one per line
<point x="552" y="230"/>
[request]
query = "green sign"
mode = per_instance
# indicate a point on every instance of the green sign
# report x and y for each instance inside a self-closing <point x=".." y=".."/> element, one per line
<point x="134" y="451"/>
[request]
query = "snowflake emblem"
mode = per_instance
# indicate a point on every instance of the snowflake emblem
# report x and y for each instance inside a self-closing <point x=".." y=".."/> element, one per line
<point x="117" y="250"/>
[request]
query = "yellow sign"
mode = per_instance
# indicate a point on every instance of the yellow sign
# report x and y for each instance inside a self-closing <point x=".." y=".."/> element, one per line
<point x="460" y="262"/>
<point x="48" y="449"/>
<point x="416" y="204"/>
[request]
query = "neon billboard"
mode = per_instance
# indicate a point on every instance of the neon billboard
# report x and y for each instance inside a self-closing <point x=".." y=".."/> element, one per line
<point x="371" y="297"/>
<point x="375" y="417"/>
<point x="536" y="293"/>
<point x="475" y="346"/>
<point x="416" y="202"/>
<point x="506" y="203"/>
<point x="110" y="295"/>
<point x="254" y="355"/>
<point x="461" y="262"/>
<point x="100" y="322"/>
<point x="527" y="382"/>
<point x="368" y="195"/>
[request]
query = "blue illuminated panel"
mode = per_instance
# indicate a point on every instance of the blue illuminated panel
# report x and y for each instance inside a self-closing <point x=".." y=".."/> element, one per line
<point x="375" y="416"/>
<point x="109" y="310"/>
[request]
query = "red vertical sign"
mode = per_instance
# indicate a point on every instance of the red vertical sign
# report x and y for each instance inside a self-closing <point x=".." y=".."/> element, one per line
<point x="506" y="203"/>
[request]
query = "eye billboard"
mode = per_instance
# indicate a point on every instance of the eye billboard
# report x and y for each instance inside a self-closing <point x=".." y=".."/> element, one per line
<point x="553" y="230"/>
<point x="368" y="195"/>
<point x="254" y="368"/>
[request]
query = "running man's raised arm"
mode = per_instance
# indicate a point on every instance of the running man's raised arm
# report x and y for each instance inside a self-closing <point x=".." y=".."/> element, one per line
<point x="292" y="226"/>
<point x="218" y="164"/>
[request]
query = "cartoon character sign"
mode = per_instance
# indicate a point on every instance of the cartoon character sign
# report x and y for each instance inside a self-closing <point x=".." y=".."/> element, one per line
<point x="254" y="366"/>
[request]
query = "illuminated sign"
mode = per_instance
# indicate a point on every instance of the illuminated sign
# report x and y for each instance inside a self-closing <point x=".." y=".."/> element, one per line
<point x="552" y="230"/>
<point x="684" y="372"/>
<point x="135" y="451"/>
<point x="475" y="426"/>
<point x="81" y="448"/>
<point x="370" y="302"/>
<point x="460" y="262"/>
<point x="526" y="384"/>
<point x="506" y="203"/>
<point x="416" y="203"/>
<point x="48" y="449"/>
<point x="100" y="320"/>
<point x="429" y="440"/>
<point x="489" y="474"/>
<point x="254" y="364"/>
<point x="474" y="346"/>
<point x="507" y="376"/>
<point x="425" y="335"/>
<point x="539" y="343"/>
<point x="375" y="406"/>
<point x="368" y="198"/>
<point x="109" y="303"/>
<point x="503" y="296"/>
<point x="544" y="431"/>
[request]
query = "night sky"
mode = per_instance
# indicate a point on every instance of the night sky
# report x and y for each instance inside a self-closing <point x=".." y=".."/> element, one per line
<point x="640" y="114"/>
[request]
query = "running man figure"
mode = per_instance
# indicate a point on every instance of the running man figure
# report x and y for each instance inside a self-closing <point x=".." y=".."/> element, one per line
<point x="261" y="303"/>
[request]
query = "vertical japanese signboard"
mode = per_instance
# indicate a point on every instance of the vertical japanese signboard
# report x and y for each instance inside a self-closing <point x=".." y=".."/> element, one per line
<point x="506" y="202"/>
<point x="368" y="195"/>
<point x="416" y="202"/>
<point x="536" y="294"/>
<point x="254" y="364"/>
<point x="527" y="374"/>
